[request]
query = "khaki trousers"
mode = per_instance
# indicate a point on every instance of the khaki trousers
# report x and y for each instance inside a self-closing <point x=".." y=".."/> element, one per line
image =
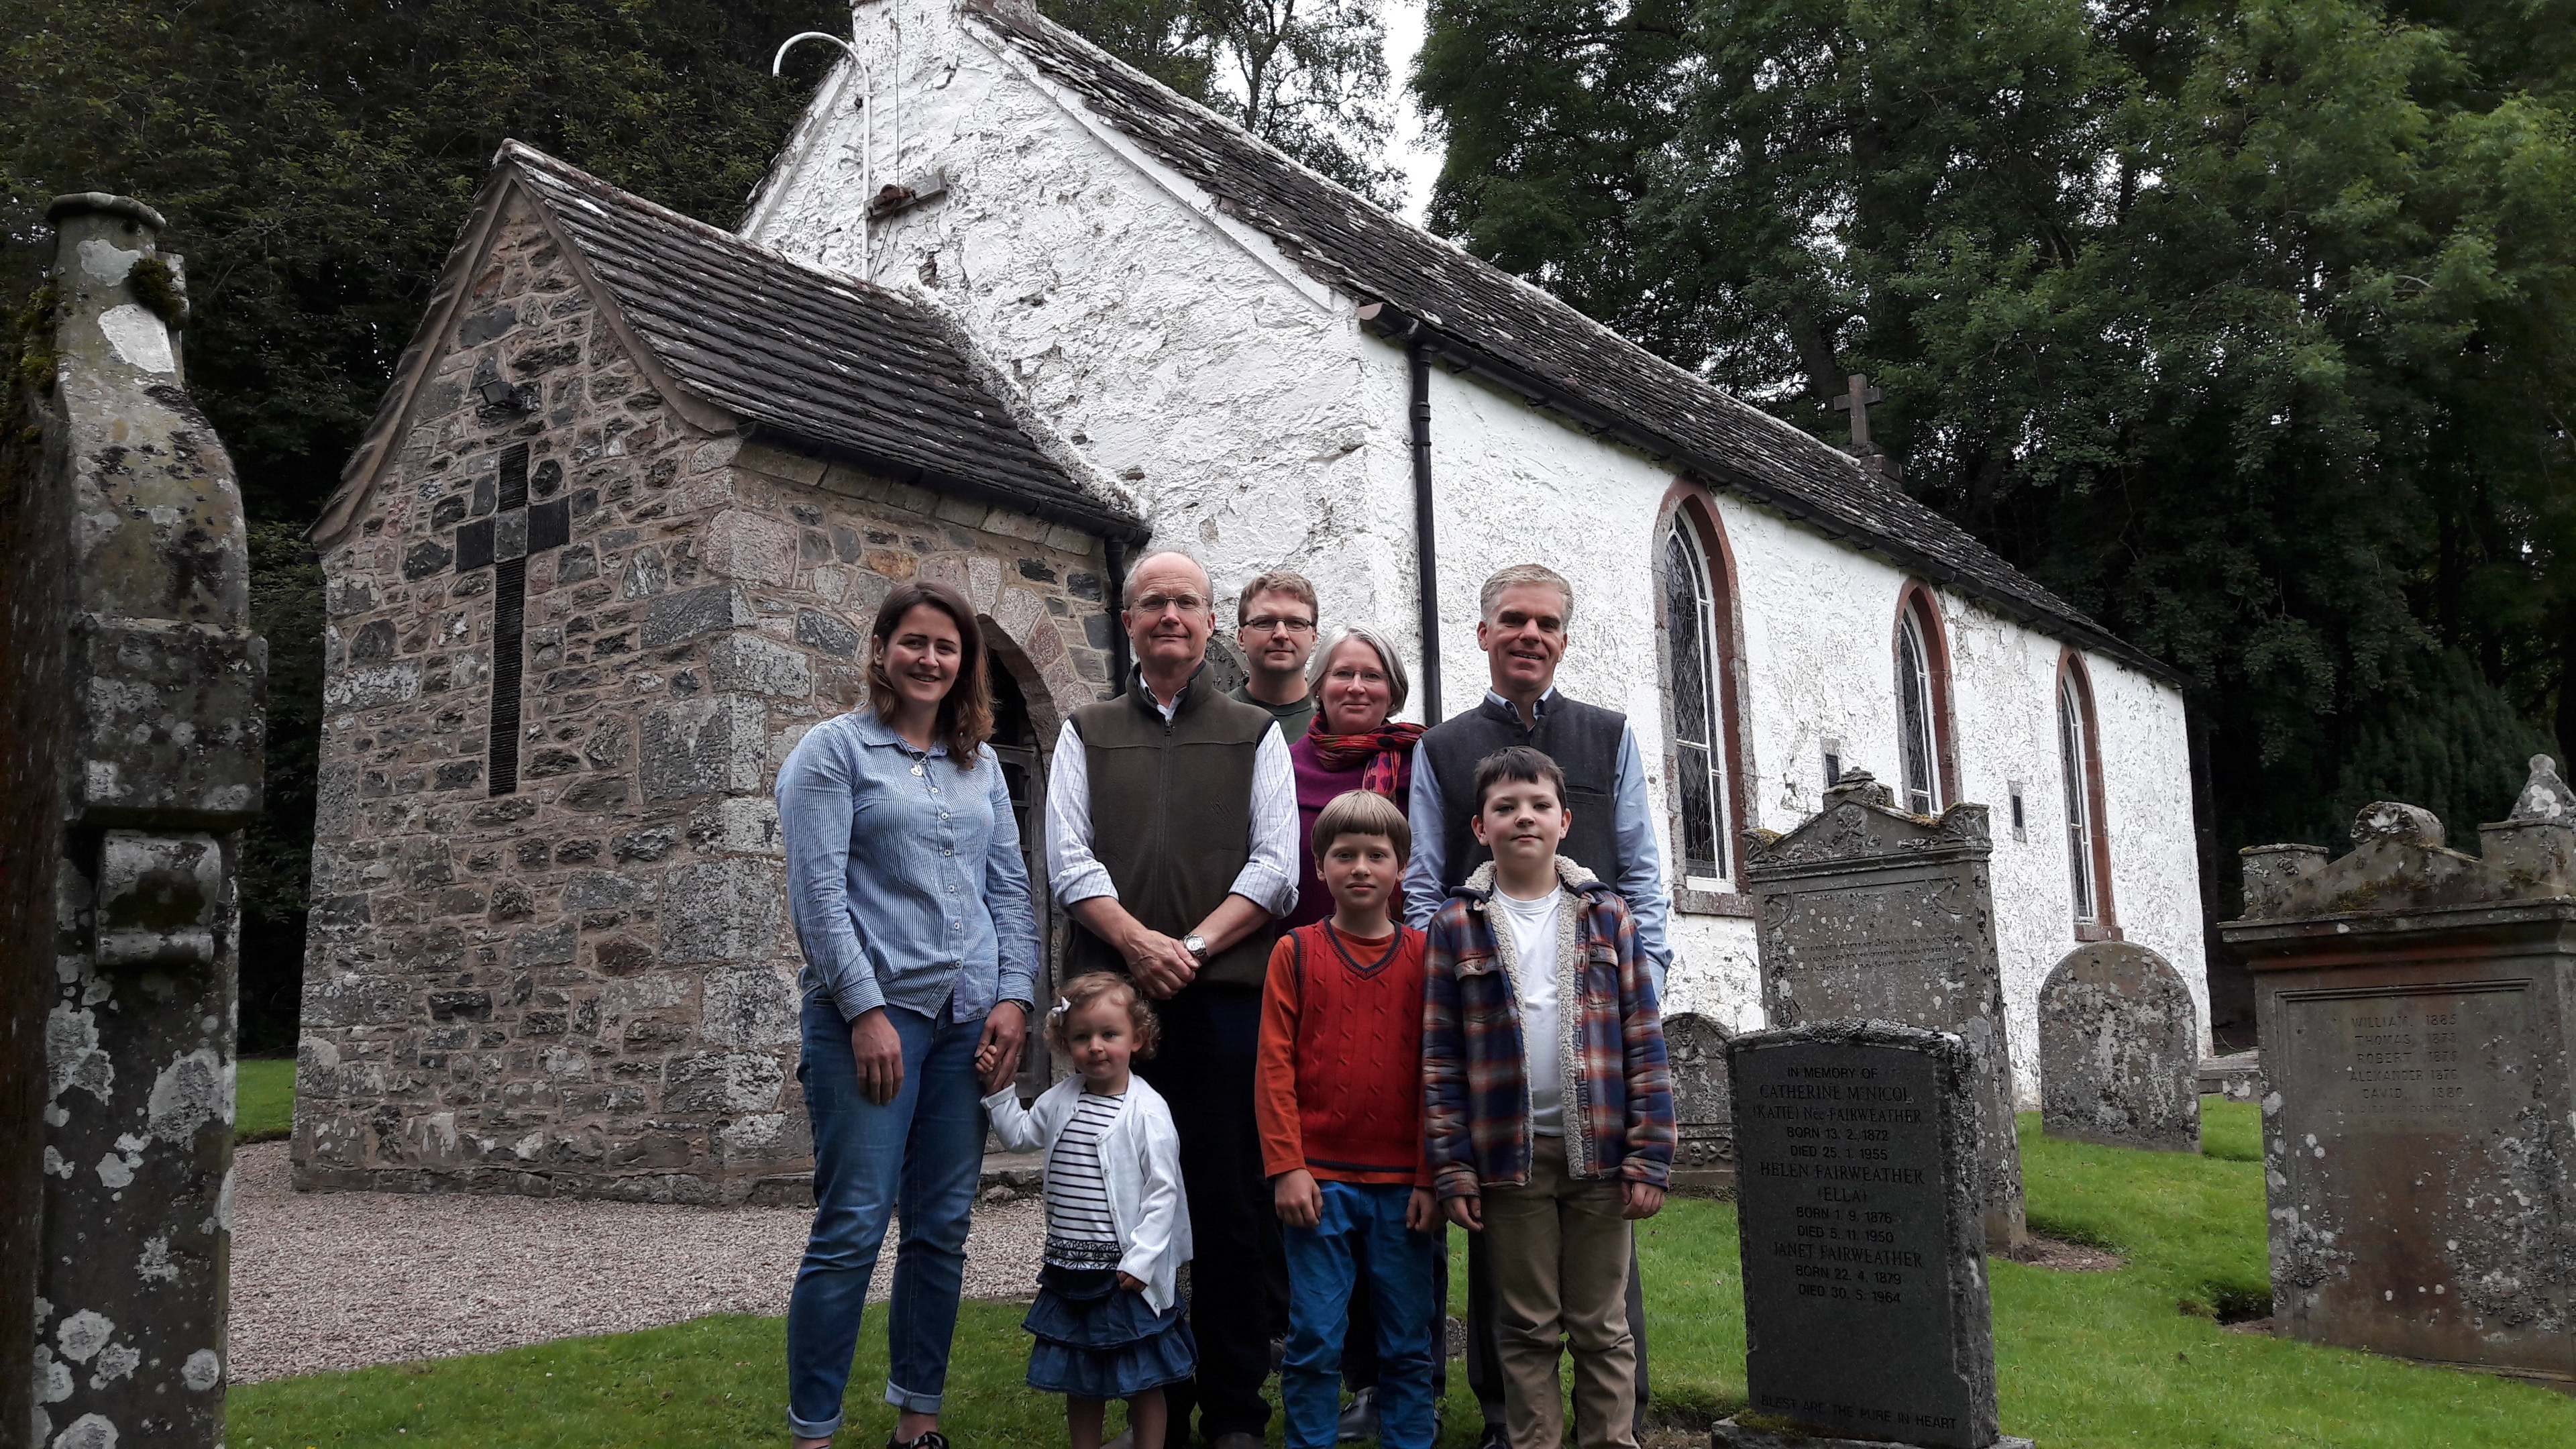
<point x="1560" y="1250"/>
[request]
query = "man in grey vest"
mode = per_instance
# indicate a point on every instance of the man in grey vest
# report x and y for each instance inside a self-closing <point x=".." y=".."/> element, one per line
<point x="1172" y="842"/>
<point x="1525" y="611"/>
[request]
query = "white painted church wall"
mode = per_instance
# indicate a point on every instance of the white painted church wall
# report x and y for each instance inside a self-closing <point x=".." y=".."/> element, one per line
<point x="1238" y="404"/>
<point x="1166" y="343"/>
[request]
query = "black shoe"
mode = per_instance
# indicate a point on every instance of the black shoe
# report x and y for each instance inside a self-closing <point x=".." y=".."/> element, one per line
<point x="1359" y="1421"/>
<point x="1494" y="1438"/>
<point x="931" y="1439"/>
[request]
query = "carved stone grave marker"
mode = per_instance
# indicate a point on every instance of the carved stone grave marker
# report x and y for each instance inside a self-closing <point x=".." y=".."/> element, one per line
<point x="2413" y="1002"/>
<point x="1870" y="914"/>
<point x="1704" y="1158"/>
<point x="2119" y="1050"/>
<point x="1863" y="1238"/>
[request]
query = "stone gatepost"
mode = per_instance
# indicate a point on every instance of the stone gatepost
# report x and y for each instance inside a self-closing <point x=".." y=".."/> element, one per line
<point x="162" y="771"/>
<point x="2414" y="1003"/>
<point x="1870" y="914"/>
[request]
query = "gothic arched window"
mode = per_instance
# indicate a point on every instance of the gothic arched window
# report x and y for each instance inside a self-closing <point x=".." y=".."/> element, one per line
<point x="1918" y="716"/>
<point x="1699" y="715"/>
<point x="2088" y="846"/>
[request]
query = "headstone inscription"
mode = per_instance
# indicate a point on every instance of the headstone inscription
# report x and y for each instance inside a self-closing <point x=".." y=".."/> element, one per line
<point x="1870" y="914"/>
<point x="2413" y="1002"/>
<point x="2119" y="1050"/>
<point x="1863" y="1238"/>
<point x="1704" y="1113"/>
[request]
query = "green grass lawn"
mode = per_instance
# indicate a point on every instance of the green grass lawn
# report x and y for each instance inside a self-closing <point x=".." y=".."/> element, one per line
<point x="263" y="1099"/>
<point x="2132" y="1357"/>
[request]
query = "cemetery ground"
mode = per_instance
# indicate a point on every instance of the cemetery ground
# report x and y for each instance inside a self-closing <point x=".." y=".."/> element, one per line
<point x="2134" y="1355"/>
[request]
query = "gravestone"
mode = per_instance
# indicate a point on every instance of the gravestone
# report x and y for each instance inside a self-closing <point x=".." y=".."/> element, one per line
<point x="1870" y="914"/>
<point x="1863" y="1240"/>
<point x="133" y="555"/>
<point x="2238" y="1076"/>
<point x="2119" y="1050"/>
<point x="2413" y="1001"/>
<point x="1703" y="1112"/>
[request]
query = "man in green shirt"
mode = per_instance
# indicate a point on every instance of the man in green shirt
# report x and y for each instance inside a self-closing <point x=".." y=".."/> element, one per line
<point x="1274" y="621"/>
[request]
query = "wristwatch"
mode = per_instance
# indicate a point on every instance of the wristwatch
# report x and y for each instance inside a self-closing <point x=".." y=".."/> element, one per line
<point x="1196" y="945"/>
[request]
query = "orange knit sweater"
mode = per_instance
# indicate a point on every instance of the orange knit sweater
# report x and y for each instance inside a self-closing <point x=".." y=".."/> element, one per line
<point x="1339" y="1083"/>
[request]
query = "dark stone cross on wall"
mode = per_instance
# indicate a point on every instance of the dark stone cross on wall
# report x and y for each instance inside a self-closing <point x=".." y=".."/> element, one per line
<point x="510" y="531"/>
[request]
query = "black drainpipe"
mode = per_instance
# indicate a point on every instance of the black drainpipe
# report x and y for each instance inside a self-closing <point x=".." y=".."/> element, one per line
<point x="1426" y="554"/>
<point x="1116" y="550"/>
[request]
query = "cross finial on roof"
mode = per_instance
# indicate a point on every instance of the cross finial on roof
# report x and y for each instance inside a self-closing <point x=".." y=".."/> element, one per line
<point x="1856" y="402"/>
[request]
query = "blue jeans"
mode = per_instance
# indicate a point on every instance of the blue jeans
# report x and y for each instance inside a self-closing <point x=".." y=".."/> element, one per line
<point x="1321" y="1278"/>
<point x="922" y="1152"/>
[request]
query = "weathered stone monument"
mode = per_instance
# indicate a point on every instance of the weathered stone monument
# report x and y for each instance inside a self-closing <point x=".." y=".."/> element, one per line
<point x="2414" y="1003"/>
<point x="2119" y="1050"/>
<point x="614" y="543"/>
<point x="129" y="590"/>
<point x="1863" y="1239"/>
<point x="1870" y="914"/>
<point x="1703" y="1109"/>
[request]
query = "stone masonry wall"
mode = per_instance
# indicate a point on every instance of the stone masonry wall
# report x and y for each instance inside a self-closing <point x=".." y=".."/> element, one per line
<point x="586" y="986"/>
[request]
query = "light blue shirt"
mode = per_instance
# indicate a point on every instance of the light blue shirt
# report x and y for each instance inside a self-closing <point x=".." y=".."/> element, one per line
<point x="904" y="874"/>
<point x="1641" y="863"/>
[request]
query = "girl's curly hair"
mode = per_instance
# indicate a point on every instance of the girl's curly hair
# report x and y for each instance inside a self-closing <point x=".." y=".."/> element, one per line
<point x="1083" y="990"/>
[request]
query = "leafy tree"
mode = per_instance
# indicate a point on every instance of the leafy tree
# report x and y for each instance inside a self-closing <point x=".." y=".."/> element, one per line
<point x="1308" y="76"/>
<point x="2243" y="325"/>
<point x="316" y="160"/>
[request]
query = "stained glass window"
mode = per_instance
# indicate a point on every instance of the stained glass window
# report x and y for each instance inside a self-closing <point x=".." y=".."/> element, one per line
<point x="1916" y="761"/>
<point x="1696" y="718"/>
<point x="2074" y="754"/>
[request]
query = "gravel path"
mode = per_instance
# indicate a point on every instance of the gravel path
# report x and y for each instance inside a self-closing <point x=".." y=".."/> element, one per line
<point x="333" y="1280"/>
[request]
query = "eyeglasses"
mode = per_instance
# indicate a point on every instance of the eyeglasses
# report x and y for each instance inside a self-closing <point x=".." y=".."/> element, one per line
<point x="1157" y="603"/>
<point x="1273" y="624"/>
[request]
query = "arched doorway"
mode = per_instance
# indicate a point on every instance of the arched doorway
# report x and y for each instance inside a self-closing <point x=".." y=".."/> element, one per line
<point x="1017" y="746"/>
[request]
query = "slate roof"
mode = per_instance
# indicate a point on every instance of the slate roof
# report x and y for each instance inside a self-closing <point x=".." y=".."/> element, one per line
<point x="808" y="360"/>
<point x="1522" y="338"/>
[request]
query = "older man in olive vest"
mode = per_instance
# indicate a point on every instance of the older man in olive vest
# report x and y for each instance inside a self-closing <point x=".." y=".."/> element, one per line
<point x="1525" y="612"/>
<point x="1172" y="842"/>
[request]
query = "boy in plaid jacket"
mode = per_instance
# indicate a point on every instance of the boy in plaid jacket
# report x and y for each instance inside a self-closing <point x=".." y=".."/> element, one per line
<point x="1547" y="1107"/>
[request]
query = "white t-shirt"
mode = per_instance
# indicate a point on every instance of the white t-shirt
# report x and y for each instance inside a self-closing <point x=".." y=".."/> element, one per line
<point x="1533" y="926"/>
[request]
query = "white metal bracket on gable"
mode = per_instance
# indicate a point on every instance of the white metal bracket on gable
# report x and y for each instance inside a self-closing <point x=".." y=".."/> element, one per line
<point x="1253" y="242"/>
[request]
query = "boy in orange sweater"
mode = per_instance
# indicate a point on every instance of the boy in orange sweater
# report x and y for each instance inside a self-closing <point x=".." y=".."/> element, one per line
<point x="1339" y="1097"/>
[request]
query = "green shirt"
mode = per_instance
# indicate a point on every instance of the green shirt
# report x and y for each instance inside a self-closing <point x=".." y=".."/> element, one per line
<point x="1293" y="718"/>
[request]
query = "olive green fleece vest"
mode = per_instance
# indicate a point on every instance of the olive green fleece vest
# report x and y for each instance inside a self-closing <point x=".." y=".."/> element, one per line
<point x="1171" y="819"/>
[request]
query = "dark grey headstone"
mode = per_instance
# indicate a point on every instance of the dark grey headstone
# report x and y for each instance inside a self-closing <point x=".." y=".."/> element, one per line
<point x="2413" y="1001"/>
<point x="2119" y="1050"/>
<point x="1703" y="1110"/>
<point x="1863" y="1234"/>
<point x="1871" y="914"/>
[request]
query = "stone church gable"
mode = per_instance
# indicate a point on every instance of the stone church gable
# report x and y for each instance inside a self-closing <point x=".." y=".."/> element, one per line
<point x="577" y="619"/>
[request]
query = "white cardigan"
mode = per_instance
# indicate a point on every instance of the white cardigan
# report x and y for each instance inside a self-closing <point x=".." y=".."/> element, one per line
<point x="1140" y="1162"/>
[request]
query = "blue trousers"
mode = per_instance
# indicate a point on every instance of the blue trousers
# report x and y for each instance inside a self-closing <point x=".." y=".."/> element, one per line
<point x="1321" y="1279"/>
<point x="923" y="1153"/>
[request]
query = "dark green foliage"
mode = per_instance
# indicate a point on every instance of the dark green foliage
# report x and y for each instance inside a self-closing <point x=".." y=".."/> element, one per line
<point x="1308" y="76"/>
<point x="286" y="608"/>
<point x="316" y="161"/>
<point x="2242" y="325"/>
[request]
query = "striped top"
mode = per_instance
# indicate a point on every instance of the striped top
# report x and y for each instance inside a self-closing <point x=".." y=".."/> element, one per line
<point x="1080" y="1232"/>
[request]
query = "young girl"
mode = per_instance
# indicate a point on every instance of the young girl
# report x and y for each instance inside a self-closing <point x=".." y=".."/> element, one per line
<point x="1109" y="1319"/>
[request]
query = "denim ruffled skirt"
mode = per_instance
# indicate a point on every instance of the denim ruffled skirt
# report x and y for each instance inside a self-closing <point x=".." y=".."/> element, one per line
<point x="1096" y="1340"/>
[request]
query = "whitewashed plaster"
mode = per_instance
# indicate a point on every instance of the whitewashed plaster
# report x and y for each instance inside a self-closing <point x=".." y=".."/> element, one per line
<point x="1256" y="425"/>
<point x="1178" y="351"/>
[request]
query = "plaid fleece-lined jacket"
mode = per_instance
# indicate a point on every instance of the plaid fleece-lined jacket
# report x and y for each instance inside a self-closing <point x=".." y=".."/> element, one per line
<point x="1618" y="1092"/>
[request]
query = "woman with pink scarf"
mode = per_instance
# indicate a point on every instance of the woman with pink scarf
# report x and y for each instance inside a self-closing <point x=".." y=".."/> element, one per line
<point x="1358" y="681"/>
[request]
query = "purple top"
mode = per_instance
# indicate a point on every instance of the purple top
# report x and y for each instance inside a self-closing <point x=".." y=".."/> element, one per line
<point x="1316" y="788"/>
